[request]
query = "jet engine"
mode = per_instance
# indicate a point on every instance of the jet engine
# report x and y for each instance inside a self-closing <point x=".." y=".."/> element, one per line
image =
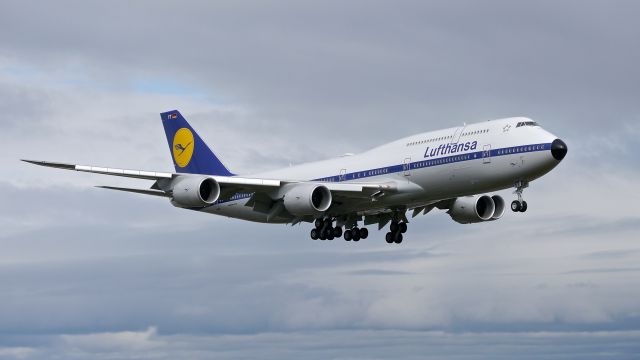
<point x="477" y="208"/>
<point x="499" y="203"/>
<point x="307" y="199"/>
<point x="195" y="191"/>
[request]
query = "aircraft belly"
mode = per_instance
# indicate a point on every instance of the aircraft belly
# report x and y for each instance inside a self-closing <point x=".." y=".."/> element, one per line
<point x="237" y="209"/>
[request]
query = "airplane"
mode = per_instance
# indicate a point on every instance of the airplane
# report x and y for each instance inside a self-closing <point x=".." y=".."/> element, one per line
<point x="453" y="169"/>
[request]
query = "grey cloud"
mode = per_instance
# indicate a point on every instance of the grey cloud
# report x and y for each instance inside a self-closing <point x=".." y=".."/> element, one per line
<point x="184" y="281"/>
<point x="594" y="226"/>
<point x="151" y="343"/>
<point x="21" y="105"/>
<point x="369" y="63"/>
<point x="604" y="270"/>
<point x="377" y="272"/>
<point x="613" y="254"/>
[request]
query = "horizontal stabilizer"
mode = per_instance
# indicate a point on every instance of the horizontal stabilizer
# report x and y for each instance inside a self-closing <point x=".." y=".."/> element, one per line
<point x="139" y="191"/>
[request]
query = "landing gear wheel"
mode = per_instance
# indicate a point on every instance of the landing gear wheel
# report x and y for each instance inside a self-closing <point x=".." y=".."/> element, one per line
<point x="322" y="237"/>
<point x="318" y="223"/>
<point x="314" y="234"/>
<point x="394" y="226"/>
<point x="515" y="206"/>
<point x="523" y="206"/>
<point x="389" y="237"/>
<point x="397" y="238"/>
<point x="348" y="235"/>
<point x="327" y="232"/>
<point x="364" y="233"/>
<point x="337" y="232"/>
<point x="520" y="205"/>
<point x="356" y="234"/>
<point x="403" y="227"/>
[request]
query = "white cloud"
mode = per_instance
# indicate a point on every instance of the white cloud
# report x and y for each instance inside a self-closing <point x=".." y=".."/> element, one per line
<point x="16" y="352"/>
<point x="123" y="341"/>
<point x="341" y="344"/>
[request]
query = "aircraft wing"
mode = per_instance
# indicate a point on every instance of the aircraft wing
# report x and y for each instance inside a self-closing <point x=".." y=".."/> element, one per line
<point x="138" y="174"/>
<point x="230" y="184"/>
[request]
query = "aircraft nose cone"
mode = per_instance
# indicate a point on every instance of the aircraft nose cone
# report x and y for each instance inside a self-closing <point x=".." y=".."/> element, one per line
<point x="558" y="149"/>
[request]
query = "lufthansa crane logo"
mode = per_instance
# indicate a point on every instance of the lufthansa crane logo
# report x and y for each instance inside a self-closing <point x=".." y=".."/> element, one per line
<point x="182" y="147"/>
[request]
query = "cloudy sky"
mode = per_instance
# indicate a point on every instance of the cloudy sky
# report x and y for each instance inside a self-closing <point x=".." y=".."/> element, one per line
<point x="90" y="274"/>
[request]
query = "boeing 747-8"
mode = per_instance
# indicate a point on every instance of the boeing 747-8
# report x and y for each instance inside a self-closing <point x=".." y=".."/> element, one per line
<point x="452" y="169"/>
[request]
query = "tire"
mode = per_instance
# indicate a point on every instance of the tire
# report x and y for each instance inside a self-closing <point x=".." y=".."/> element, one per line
<point x="523" y="208"/>
<point x="337" y="232"/>
<point x="389" y="237"/>
<point x="314" y="234"/>
<point x="348" y="235"/>
<point x="364" y="233"/>
<point x="397" y="238"/>
<point x="403" y="227"/>
<point x="328" y="223"/>
<point x="327" y="232"/>
<point x="394" y="226"/>
<point x="356" y="234"/>
<point x="322" y="237"/>
<point x="318" y="223"/>
<point x="515" y="206"/>
<point x="330" y="237"/>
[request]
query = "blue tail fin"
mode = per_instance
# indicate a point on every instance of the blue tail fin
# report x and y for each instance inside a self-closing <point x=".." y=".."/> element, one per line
<point x="190" y="154"/>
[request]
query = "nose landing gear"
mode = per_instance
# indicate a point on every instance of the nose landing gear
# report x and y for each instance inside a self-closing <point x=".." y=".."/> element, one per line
<point x="520" y="205"/>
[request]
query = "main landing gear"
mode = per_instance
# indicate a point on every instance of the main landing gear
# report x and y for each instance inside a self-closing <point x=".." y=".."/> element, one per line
<point x="395" y="235"/>
<point x="356" y="234"/>
<point x="520" y="205"/>
<point x="324" y="230"/>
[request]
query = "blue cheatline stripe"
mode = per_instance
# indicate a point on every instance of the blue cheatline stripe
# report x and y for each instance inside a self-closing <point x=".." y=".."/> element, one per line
<point x="426" y="163"/>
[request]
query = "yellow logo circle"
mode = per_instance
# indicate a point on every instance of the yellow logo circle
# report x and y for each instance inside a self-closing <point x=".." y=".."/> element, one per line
<point x="183" y="147"/>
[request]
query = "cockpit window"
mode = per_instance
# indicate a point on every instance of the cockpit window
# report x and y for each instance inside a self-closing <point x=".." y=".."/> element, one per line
<point x="527" y="123"/>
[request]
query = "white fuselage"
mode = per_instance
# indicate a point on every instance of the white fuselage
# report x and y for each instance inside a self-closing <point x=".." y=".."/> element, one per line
<point x="429" y="167"/>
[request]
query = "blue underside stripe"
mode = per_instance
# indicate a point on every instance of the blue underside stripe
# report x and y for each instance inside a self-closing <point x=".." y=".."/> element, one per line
<point x="425" y="163"/>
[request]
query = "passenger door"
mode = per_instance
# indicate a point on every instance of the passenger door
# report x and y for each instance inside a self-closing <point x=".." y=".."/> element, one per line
<point x="456" y="135"/>
<point x="406" y="166"/>
<point x="343" y="175"/>
<point x="486" y="154"/>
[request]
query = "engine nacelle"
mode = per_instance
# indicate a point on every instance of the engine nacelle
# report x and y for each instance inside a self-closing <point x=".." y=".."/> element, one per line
<point x="499" y="203"/>
<point x="307" y="199"/>
<point x="195" y="191"/>
<point x="473" y="209"/>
